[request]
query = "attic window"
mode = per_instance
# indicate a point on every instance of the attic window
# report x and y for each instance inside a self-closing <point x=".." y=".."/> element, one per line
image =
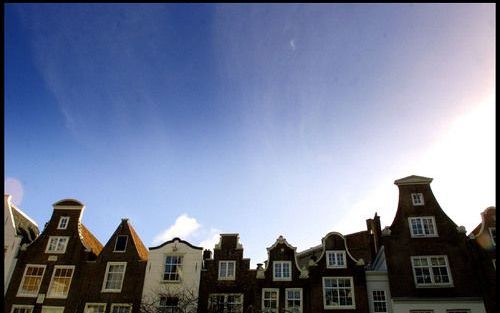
<point x="63" y="222"/>
<point x="417" y="199"/>
<point x="335" y="259"/>
<point x="121" y="243"/>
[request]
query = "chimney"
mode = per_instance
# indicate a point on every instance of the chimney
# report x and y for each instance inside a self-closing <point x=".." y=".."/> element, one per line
<point x="207" y="254"/>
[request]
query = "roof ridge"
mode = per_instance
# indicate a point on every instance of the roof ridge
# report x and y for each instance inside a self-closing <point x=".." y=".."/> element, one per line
<point x="142" y="251"/>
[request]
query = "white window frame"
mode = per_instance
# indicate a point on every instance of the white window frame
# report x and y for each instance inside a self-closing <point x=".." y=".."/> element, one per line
<point x="374" y="300"/>
<point x="281" y="277"/>
<point x="22" y="307"/>
<point x="35" y="294"/>
<point x="339" y="307"/>
<point x="429" y="266"/>
<point x="287" y="309"/>
<point x="226" y="276"/>
<point x="57" y="239"/>
<point x="493" y="239"/>
<point x="62" y="219"/>
<point x="178" y="268"/>
<point x="336" y="253"/>
<point x="420" y="219"/>
<point x="277" y="291"/>
<point x="116" y="243"/>
<point x="104" y="289"/>
<point x="417" y="199"/>
<point x="122" y="305"/>
<point x="49" y="294"/>
<point x="46" y="308"/>
<point x="94" y="303"/>
<point x="226" y="296"/>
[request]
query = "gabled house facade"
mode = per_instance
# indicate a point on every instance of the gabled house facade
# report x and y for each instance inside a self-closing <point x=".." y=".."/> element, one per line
<point x="49" y="274"/>
<point x="19" y="230"/>
<point x="282" y="286"/>
<point x="172" y="277"/>
<point x="483" y="239"/>
<point x="115" y="279"/>
<point x="227" y="284"/>
<point x="428" y="258"/>
<point x="337" y="279"/>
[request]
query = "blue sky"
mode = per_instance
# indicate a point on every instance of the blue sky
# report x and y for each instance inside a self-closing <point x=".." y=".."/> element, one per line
<point x="262" y="120"/>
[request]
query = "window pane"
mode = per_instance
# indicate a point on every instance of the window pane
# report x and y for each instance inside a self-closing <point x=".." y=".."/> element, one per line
<point x="31" y="280"/>
<point x="121" y="309"/>
<point x="121" y="243"/>
<point x="95" y="308"/>
<point x="115" y="276"/>
<point x="61" y="282"/>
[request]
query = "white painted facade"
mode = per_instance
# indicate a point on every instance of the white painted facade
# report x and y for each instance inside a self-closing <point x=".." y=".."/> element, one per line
<point x="12" y="240"/>
<point x="378" y="281"/>
<point x="189" y="273"/>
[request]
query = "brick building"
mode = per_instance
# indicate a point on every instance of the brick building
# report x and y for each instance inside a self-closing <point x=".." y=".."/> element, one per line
<point x="115" y="279"/>
<point x="422" y="263"/>
<point x="429" y="260"/>
<point x="227" y="283"/>
<point x="484" y="245"/>
<point x="50" y="271"/>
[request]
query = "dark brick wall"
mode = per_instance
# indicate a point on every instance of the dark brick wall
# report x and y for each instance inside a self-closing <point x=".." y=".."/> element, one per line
<point x="244" y="277"/>
<point x="399" y="247"/>
<point x="131" y="291"/>
<point x="280" y="251"/>
<point x="75" y="254"/>
<point x="334" y="241"/>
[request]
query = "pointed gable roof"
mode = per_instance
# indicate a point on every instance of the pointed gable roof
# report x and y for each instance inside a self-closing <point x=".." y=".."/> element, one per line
<point x="126" y="229"/>
<point x="89" y="240"/>
<point x="142" y="251"/>
<point x="413" y="180"/>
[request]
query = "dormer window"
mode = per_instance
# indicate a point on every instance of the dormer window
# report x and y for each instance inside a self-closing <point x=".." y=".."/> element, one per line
<point x="121" y="243"/>
<point x="63" y="222"/>
<point x="282" y="270"/>
<point x="417" y="198"/>
<point x="335" y="259"/>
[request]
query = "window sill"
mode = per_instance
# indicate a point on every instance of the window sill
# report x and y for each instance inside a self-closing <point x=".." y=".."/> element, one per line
<point x="435" y="286"/>
<point x="171" y="281"/>
<point x="340" y="307"/>
<point x="111" y="291"/>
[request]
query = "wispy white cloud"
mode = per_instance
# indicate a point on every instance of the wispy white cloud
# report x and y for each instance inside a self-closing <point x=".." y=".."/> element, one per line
<point x="183" y="227"/>
<point x="211" y="240"/>
<point x="292" y="44"/>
